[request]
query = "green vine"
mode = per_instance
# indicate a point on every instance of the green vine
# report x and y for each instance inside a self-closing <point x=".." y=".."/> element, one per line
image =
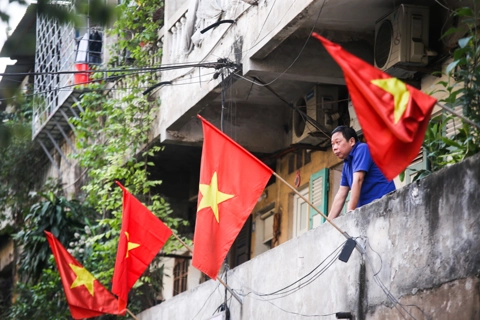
<point x="113" y="135"/>
<point x="112" y="140"/>
<point x="462" y="89"/>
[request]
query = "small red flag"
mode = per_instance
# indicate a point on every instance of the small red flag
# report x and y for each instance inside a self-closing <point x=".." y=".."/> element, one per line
<point x="141" y="238"/>
<point x="86" y="296"/>
<point x="393" y="115"/>
<point x="231" y="181"/>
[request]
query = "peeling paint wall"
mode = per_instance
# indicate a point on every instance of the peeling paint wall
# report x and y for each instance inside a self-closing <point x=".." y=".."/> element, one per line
<point x="422" y="242"/>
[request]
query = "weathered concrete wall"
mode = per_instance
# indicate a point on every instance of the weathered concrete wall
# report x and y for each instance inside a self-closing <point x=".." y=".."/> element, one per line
<point x="423" y="241"/>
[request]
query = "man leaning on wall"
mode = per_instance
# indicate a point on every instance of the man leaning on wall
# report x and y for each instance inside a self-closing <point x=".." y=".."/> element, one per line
<point x="360" y="174"/>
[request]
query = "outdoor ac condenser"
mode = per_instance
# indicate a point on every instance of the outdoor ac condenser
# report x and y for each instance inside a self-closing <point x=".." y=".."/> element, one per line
<point x="401" y="38"/>
<point x="321" y="104"/>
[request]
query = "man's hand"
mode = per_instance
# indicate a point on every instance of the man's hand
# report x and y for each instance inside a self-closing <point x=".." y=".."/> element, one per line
<point x="338" y="202"/>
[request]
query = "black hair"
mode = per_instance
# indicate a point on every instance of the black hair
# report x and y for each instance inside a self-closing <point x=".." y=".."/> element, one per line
<point x="347" y="132"/>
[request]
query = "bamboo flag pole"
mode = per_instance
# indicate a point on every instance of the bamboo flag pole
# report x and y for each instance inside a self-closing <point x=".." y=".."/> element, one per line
<point x="311" y="205"/>
<point x="131" y="314"/>
<point x="458" y="115"/>
<point x="236" y="296"/>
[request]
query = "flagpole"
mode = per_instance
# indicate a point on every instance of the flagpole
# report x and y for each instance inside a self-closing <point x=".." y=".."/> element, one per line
<point x="130" y="313"/>
<point x="182" y="242"/>
<point x="239" y="299"/>
<point x="345" y="234"/>
<point x="458" y="115"/>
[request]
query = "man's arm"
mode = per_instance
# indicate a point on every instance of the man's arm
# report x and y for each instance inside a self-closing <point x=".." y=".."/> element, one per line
<point x="357" y="182"/>
<point x="338" y="202"/>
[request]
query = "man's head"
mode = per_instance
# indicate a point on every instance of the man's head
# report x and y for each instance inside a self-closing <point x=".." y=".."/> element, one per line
<point x="343" y="140"/>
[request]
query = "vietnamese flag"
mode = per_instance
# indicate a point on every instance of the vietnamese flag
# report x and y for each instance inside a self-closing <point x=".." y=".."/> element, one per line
<point x="231" y="181"/>
<point x="141" y="238"/>
<point x="393" y="115"/>
<point x="86" y="296"/>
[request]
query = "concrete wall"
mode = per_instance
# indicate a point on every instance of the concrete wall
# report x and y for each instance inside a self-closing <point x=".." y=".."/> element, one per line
<point x="423" y="242"/>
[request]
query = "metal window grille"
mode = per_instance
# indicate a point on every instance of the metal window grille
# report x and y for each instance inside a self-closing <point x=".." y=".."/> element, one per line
<point x="55" y="52"/>
<point x="180" y="275"/>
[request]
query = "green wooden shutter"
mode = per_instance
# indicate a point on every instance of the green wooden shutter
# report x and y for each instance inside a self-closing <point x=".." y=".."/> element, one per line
<point x="419" y="163"/>
<point x="240" y="250"/>
<point x="319" y="193"/>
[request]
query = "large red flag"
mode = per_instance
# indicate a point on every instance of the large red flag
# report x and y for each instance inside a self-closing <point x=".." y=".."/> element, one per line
<point x="86" y="296"/>
<point x="231" y="181"/>
<point x="393" y="115"/>
<point x="141" y="238"/>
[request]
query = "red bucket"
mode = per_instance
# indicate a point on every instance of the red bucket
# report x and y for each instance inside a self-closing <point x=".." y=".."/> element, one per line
<point x="82" y="78"/>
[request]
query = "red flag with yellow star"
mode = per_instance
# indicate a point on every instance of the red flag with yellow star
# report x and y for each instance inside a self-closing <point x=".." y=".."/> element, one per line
<point x="231" y="181"/>
<point x="86" y="296"/>
<point x="141" y="238"/>
<point x="393" y="115"/>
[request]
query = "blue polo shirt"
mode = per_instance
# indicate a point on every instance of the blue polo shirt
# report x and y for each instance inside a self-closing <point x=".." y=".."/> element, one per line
<point x="374" y="185"/>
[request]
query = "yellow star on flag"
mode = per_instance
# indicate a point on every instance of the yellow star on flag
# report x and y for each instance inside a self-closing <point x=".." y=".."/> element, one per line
<point x="84" y="278"/>
<point x="130" y="245"/>
<point x="400" y="93"/>
<point x="211" y="196"/>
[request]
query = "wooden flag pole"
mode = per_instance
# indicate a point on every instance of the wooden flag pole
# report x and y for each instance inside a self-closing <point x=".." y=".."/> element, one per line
<point x="182" y="242"/>
<point x="311" y="205"/>
<point x="458" y="115"/>
<point x="236" y="296"/>
<point x="131" y="314"/>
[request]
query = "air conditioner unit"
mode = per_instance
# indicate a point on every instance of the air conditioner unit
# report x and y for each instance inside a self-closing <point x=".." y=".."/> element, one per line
<point x="354" y="123"/>
<point x="401" y="39"/>
<point x="320" y="104"/>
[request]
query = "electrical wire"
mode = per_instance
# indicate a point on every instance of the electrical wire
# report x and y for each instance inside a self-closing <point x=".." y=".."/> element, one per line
<point x="302" y="114"/>
<point x="266" y="19"/>
<point x="444" y="6"/>
<point x="274" y="28"/>
<point x="205" y="303"/>
<point x="292" y="312"/>
<point x="59" y="89"/>
<point x="384" y="288"/>
<point x="287" y="290"/>
<point x="136" y="70"/>
<point x="299" y="54"/>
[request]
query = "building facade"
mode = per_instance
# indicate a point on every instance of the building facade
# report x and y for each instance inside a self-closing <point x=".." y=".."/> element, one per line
<point x="269" y="86"/>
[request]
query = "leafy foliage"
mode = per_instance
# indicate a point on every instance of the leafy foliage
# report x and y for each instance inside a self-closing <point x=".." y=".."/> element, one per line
<point x="463" y="87"/>
<point x="18" y="159"/>
<point x="43" y="300"/>
<point x="137" y="26"/>
<point x="112" y="137"/>
<point x="462" y="91"/>
<point x="62" y="217"/>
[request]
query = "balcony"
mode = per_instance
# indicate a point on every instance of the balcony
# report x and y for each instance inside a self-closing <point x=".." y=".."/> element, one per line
<point x="60" y="50"/>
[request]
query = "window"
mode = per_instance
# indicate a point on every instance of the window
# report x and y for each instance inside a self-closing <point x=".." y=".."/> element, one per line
<point x="307" y="156"/>
<point x="318" y="197"/>
<point x="299" y="159"/>
<point x="291" y="163"/>
<point x="240" y="250"/>
<point x="300" y="214"/>
<point x="417" y="164"/>
<point x="454" y="124"/>
<point x="263" y="226"/>
<point x="180" y="273"/>
<point x="204" y="278"/>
